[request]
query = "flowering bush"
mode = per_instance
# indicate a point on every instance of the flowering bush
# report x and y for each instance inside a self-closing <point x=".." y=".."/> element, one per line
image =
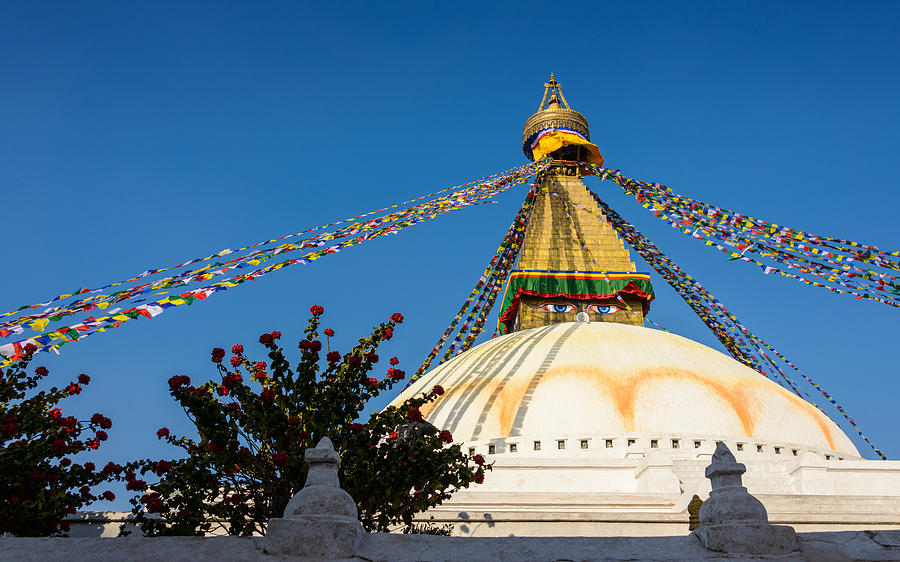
<point x="255" y="421"/>
<point x="39" y="483"/>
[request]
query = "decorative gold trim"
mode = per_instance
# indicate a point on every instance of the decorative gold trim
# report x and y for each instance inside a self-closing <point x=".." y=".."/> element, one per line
<point x="554" y="116"/>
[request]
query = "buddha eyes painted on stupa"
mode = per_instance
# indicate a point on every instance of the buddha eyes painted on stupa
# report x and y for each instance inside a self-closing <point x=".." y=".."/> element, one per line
<point x="604" y="308"/>
<point x="570" y="307"/>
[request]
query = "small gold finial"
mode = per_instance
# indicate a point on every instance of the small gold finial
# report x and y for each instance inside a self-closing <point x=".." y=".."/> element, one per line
<point x="554" y="88"/>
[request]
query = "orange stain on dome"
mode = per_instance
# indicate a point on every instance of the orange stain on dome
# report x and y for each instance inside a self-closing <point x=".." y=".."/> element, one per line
<point x="623" y="388"/>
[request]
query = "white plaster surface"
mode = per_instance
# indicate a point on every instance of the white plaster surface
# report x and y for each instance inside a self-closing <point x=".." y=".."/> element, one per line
<point x="606" y="379"/>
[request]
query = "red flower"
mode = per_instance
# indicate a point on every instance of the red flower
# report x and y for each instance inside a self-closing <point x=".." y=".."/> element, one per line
<point x="217" y="355"/>
<point x="111" y="468"/>
<point x="280" y="458"/>
<point x="109" y="496"/>
<point x="89" y="466"/>
<point x="328" y="332"/>
<point x="162" y="432"/>
<point x="84" y="379"/>
<point x="393" y="436"/>
<point x="162" y="467"/>
<point x="445" y="436"/>
<point x="479" y="478"/>
<point x="129" y="476"/>
<point x="73" y="388"/>
<point x="316" y="310"/>
<point x="237" y="349"/>
<point x="65" y="462"/>
<point x="266" y="339"/>
<point x="388" y="333"/>
<point x="276" y="335"/>
<point x="438" y="389"/>
<point x="233" y="407"/>
<point x="414" y="414"/>
<point x="41" y="371"/>
<point x="372" y="357"/>
<point x="136" y="485"/>
<point x="355" y="361"/>
<point x="396" y="374"/>
<point x="267" y="396"/>
<point x="394" y="361"/>
<point x="293" y="420"/>
<point x="307" y="345"/>
<point x="106" y="423"/>
<point x="58" y="445"/>
<point x="96" y="418"/>
<point x="372" y="382"/>
<point x="102" y="436"/>
<point x="231" y="381"/>
<point x="13" y="500"/>
<point x="303" y="435"/>
<point x="356" y="427"/>
<point x="55" y="413"/>
<point x="178" y="381"/>
<point x="478" y="459"/>
<point x="236" y="361"/>
<point x="10" y="429"/>
<point x="85" y="490"/>
<point x="397" y="317"/>
<point x="29" y="348"/>
<point x="333" y="356"/>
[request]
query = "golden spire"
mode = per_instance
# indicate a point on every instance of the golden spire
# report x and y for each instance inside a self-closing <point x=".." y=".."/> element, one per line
<point x="572" y="266"/>
<point x="571" y="129"/>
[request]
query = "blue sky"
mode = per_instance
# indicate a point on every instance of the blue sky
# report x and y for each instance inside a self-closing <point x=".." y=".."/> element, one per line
<point x="141" y="135"/>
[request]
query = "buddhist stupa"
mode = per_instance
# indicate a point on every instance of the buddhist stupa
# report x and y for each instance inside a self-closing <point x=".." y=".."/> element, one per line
<point x="598" y="425"/>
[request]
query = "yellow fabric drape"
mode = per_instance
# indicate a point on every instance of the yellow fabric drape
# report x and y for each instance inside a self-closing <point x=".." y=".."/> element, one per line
<point x="554" y="139"/>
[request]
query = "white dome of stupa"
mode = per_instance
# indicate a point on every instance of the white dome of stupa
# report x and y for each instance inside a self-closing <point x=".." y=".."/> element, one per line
<point x="590" y="384"/>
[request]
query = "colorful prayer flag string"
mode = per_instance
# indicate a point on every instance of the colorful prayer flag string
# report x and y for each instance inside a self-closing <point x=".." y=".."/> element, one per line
<point x="825" y="262"/>
<point x="151" y="272"/>
<point x="354" y="234"/>
<point x="743" y="345"/>
<point x="486" y="289"/>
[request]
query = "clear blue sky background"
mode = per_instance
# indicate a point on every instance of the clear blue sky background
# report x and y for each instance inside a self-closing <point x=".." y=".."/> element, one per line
<point x="139" y="135"/>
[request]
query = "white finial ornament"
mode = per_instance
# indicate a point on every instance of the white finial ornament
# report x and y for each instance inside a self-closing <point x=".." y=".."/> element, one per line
<point x="732" y="520"/>
<point x="321" y="520"/>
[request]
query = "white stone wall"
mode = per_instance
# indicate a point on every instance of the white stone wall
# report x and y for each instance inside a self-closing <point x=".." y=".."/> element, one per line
<point x="881" y="545"/>
<point x="638" y="491"/>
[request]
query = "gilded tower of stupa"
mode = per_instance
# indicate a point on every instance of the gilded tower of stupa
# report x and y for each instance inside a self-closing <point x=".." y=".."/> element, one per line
<point x="572" y="265"/>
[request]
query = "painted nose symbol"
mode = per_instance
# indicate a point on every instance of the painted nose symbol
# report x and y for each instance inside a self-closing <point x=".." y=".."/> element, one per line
<point x="582" y="317"/>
